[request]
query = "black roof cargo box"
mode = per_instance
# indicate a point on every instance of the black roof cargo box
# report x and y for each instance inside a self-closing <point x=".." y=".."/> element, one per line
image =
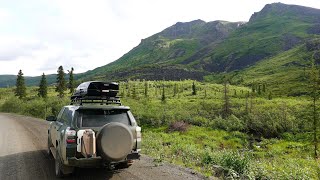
<point x="96" y="89"/>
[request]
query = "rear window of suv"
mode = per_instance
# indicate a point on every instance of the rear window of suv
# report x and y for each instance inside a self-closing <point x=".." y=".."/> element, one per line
<point x="100" y="117"/>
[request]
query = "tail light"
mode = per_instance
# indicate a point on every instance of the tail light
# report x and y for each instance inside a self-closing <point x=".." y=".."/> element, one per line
<point x="138" y="130"/>
<point x="70" y="136"/>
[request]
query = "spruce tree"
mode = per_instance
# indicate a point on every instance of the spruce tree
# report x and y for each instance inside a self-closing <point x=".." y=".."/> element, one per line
<point x="146" y="88"/>
<point x="61" y="83"/>
<point x="270" y="95"/>
<point x="163" y="98"/>
<point x="20" y="86"/>
<point x="264" y="88"/>
<point x="71" y="81"/>
<point x="42" y="91"/>
<point x="253" y="88"/>
<point x="194" y="90"/>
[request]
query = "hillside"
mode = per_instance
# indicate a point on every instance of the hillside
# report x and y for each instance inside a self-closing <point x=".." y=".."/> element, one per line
<point x="275" y="29"/>
<point x="167" y="50"/>
<point x="10" y="80"/>
<point x="196" y="49"/>
<point x="263" y="50"/>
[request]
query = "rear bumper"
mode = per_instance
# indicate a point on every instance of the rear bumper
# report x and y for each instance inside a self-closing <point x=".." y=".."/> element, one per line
<point x="98" y="161"/>
<point x="85" y="162"/>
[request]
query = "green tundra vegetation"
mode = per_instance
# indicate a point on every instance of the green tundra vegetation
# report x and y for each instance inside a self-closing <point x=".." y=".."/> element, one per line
<point x="221" y="130"/>
<point x="249" y="112"/>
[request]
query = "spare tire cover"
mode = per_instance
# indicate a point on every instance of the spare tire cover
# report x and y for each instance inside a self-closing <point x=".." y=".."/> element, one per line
<point x="114" y="141"/>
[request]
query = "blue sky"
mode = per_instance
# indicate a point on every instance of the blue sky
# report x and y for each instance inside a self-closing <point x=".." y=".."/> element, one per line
<point x="39" y="35"/>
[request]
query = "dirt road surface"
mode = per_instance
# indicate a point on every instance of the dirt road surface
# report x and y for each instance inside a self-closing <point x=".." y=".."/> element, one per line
<point x="22" y="156"/>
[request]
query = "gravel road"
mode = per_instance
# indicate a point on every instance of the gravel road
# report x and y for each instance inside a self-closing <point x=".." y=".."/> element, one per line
<point x="22" y="156"/>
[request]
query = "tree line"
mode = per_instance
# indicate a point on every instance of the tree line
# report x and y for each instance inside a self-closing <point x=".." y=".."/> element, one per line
<point x="61" y="84"/>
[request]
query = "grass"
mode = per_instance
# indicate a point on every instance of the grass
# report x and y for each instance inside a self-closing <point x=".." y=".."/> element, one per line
<point x="269" y="139"/>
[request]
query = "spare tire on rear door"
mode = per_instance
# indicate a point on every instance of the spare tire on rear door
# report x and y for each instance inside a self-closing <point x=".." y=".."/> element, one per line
<point x="114" y="141"/>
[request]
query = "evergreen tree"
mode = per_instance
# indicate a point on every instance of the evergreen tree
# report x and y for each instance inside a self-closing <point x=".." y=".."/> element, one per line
<point x="71" y="81"/>
<point x="163" y="98"/>
<point x="61" y="83"/>
<point x="270" y="95"/>
<point x="43" y="89"/>
<point x="194" y="90"/>
<point x="20" y="86"/>
<point x="253" y="88"/>
<point x="146" y="88"/>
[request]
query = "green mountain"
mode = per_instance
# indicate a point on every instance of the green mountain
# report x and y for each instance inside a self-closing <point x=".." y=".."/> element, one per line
<point x="274" y="48"/>
<point x="196" y="49"/>
<point x="10" y="80"/>
<point x="161" y="56"/>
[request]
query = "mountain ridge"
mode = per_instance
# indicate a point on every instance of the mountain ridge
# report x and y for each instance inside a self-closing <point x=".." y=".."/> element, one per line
<point x="209" y="50"/>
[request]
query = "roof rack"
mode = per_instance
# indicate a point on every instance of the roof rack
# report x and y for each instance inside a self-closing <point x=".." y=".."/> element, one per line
<point x="96" y="99"/>
<point x="96" y="92"/>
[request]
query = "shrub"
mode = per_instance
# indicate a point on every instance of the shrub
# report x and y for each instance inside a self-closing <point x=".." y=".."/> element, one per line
<point x="232" y="123"/>
<point x="236" y="162"/>
<point x="179" y="126"/>
<point x="36" y="108"/>
<point x="13" y="105"/>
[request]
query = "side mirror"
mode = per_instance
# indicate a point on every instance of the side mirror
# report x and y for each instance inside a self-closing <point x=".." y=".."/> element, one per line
<point x="51" y="118"/>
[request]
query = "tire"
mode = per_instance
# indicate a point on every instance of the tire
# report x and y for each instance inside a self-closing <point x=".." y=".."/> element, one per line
<point x="49" y="144"/>
<point x="61" y="170"/>
<point x="58" y="166"/>
<point x="114" y="141"/>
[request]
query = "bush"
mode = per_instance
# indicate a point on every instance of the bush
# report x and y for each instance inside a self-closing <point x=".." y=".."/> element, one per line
<point x="232" y="123"/>
<point x="36" y="108"/>
<point x="13" y="105"/>
<point x="236" y="162"/>
<point x="179" y="126"/>
<point x="55" y="104"/>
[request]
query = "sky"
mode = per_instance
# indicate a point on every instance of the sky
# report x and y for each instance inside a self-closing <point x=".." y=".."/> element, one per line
<point x="37" y="36"/>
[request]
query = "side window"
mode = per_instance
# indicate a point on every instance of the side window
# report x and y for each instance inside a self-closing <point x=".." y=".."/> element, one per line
<point x="59" y="118"/>
<point x="66" y="117"/>
<point x="69" y="118"/>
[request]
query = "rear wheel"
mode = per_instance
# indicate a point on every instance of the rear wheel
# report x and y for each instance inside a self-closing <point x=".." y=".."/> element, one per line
<point x="58" y="165"/>
<point x="60" y="169"/>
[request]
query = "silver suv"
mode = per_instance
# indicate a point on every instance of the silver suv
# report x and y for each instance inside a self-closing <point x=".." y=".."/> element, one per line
<point x="94" y="131"/>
